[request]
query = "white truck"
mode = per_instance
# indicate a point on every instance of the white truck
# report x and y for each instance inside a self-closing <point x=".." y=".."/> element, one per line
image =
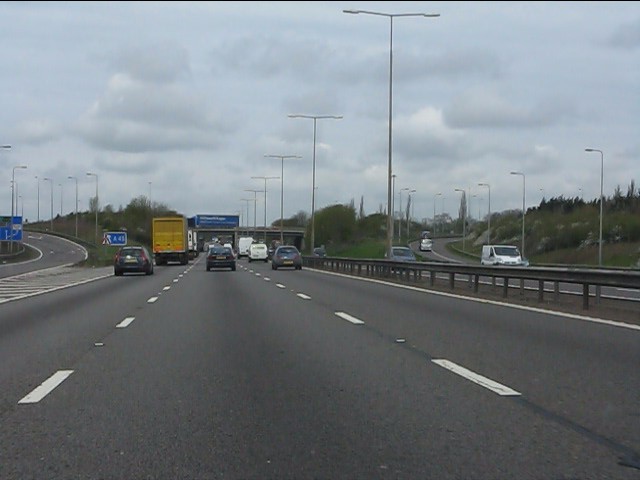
<point x="243" y="246"/>
<point x="192" y="241"/>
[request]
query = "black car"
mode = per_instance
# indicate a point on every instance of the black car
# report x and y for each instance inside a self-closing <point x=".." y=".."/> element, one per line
<point x="220" y="256"/>
<point x="319" y="252"/>
<point x="132" y="259"/>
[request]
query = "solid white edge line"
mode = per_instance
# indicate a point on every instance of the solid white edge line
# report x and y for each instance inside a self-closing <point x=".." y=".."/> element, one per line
<point x="485" y="382"/>
<point x="349" y="318"/>
<point x="303" y="296"/>
<point x="46" y="387"/>
<point x="126" y="322"/>
<point x="629" y="326"/>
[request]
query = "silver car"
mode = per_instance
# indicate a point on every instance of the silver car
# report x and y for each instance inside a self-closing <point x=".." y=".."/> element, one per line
<point x="286" y="256"/>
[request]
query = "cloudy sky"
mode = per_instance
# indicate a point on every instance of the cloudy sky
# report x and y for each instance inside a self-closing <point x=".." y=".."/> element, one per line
<point x="182" y="101"/>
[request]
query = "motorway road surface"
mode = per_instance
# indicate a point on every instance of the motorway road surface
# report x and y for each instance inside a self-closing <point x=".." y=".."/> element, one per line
<point x="53" y="252"/>
<point x="261" y="374"/>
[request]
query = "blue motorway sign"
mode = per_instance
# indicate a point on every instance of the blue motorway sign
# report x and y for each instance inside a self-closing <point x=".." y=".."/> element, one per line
<point x="5" y="229"/>
<point x="217" y="221"/>
<point x="115" y="238"/>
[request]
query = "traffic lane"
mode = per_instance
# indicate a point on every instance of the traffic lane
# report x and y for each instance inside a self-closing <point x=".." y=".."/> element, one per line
<point x="583" y="371"/>
<point x="231" y="375"/>
<point x="59" y="327"/>
<point x="55" y="251"/>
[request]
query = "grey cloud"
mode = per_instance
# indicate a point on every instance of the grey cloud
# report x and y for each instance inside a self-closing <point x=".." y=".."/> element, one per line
<point x="484" y="108"/>
<point x="136" y="117"/>
<point x="626" y="36"/>
<point x="38" y="132"/>
<point x="157" y="64"/>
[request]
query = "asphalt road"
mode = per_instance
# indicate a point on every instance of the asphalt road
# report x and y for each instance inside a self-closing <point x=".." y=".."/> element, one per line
<point x="52" y="252"/>
<point x="261" y="374"/>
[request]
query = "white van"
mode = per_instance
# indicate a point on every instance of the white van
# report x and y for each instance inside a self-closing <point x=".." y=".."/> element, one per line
<point x="258" y="251"/>
<point x="501" y="255"/>
<point x="243" y="246"/>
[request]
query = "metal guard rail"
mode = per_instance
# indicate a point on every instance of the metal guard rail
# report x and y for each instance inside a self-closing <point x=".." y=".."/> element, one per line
<point x="585" y="277"/>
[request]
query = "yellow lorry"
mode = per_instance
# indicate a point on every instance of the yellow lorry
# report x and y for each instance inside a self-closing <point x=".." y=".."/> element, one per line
<point x="169" y="240"/>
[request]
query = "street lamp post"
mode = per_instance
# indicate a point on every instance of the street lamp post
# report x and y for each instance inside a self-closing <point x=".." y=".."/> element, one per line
<point x="61" y="190"/>
<point x="313" y="182"/>
<point x="601" y="200"/>
<point x="149" y="182"/>
<point x="13" y="182"/>
<point x="434" y="211"/>
<point x="265" y="201"/>
<point x="91" y="174"/>
<point x="464" y="221"/>
<point x="400" y="216"/>
<point x="409" y="204"/>
<point x="393" y="203"/>
<point x="255" y="202"/>
<point x="70" y="177"/>
<point x="390" y="16"/>
<point x="38" y="206"/>
<point x="46" y="179"/>
<point x="247" y="217"/>
<point x="282" y="157"/>
<point x="489" y="217"/>
<point x="522" y="254"/>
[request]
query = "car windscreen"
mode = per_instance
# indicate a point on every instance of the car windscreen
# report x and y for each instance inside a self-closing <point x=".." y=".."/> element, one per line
<point x="287" y="251"/>
<point x="402" y="252"/>
<point x="507" y="251"/>
<point x="219" y="251"/>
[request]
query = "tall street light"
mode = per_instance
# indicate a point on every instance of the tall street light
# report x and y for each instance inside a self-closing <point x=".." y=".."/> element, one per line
<point x="393" y="202"/>
<point x="13" y="182"/>
<point x="601" y="199"/>
<point x="70" y="177"/>
<point x="255" y="202"/>
<point x="91" y="174"/>
<point x="247" y="217"/>
<point x="464" y="220"/>
<point x="149" y="182"/>
<point x="61" y="189"/>
<point x="434" y="211"/>
<point x="390" y="16"/>
<point x="313" y="182"/>
<point x="38" y="206"/>
<point x="409" y="204"/>
<point x="489" y="217"/>
<point x="46" y="179"/>
<point x="265" y="201"/>
<point x="522" y="254"/>
<point x="282" y="158"/>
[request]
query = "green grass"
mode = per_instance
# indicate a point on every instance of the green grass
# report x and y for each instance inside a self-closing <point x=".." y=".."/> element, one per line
<point x="367" y="249"/>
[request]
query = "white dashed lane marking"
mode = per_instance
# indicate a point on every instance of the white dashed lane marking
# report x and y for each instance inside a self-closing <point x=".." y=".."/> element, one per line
<point x="476" y="378"/>
<point x="46" y="387"/>
<point x="126" y="322"/>
<point x="349" y="318"/>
